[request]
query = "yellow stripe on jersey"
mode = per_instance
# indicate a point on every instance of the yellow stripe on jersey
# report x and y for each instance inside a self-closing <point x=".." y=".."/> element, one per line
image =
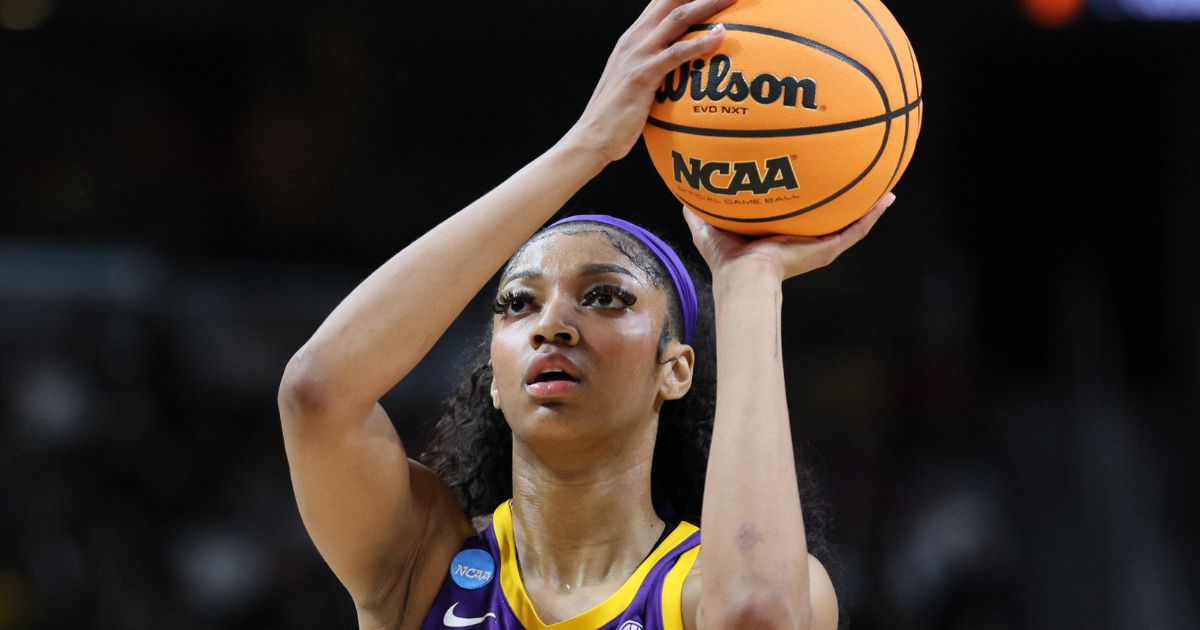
<point x="672" y="595"/>
<point x="598" y="615"/>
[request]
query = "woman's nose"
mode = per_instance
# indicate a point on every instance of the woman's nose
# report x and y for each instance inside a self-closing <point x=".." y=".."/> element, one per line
<point x="554" y="323"/>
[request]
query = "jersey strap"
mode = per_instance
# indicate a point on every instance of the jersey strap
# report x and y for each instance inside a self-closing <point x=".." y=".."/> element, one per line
<point x="672" y="590"/>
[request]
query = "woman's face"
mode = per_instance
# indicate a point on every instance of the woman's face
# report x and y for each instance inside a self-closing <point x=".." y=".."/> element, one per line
<point x="573" y="302"/>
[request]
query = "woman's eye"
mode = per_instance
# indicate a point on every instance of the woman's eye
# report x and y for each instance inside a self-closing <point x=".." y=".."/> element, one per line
<point x="609" y="297"/>
<point x="512" y="303"/>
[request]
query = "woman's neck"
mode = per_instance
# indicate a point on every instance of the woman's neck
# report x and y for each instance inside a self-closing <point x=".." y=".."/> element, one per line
<point x="592" y="523"/>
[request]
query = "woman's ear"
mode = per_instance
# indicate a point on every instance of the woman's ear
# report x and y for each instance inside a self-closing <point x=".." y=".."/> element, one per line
<point x="675" y="377"/>
<point x="492" y="388"/>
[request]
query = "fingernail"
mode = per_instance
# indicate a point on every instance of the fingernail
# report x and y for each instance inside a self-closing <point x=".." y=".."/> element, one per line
<point x="717" y="30"/>
<point x="891" y="199"/>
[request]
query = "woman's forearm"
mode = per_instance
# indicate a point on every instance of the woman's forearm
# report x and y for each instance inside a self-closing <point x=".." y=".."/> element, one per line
<point x="753" y="529"/>
<point x="391" y="320"/>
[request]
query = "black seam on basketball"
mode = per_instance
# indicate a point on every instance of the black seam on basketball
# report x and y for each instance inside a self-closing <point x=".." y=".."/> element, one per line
<point x="903" y="90"/>
<point x="921" y="89"/>
<point x="920" y="83"/>
<point x="780" y="133"/>
<point x="912" y="58"/>
<point x="887" y="134"/>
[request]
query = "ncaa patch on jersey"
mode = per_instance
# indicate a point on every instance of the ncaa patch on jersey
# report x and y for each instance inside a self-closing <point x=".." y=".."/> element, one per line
<point x="631" y="625"/>
<point x="472" y="568"/>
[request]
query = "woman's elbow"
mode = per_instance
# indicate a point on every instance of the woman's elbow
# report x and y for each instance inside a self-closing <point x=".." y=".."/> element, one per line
<point x="304" y="389"/>
<point x="756" y="603"/>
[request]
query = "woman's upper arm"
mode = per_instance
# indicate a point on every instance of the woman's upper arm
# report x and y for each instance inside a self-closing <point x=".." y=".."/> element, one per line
<point x="368" y="508"/>
<point x="820" y="589"/>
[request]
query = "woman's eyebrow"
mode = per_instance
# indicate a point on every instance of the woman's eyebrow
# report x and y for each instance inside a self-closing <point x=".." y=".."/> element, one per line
<point x="590" y="269"/>
<point x="521" y="275"/>
<point x="599" y="268"/>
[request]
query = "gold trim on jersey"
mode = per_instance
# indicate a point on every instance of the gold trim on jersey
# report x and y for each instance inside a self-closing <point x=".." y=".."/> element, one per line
<point x="598" y="615"/>
<point x="672" y="594"/>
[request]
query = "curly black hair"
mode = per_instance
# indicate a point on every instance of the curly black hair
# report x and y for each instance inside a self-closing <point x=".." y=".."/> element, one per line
<point x="471" y="445"/>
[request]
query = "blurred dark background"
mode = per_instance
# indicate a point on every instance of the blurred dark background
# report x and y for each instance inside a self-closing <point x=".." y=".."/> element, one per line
<point x="999" y="390"/>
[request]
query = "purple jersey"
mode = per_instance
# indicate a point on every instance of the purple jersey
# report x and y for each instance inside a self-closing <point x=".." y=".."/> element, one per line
<point x="484" y="590"/>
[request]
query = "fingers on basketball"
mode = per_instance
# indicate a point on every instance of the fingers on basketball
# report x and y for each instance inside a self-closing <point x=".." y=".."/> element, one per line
<point x="660" y="11"/>
<point x="681" y="18"/>
<point x="686" y="49"/>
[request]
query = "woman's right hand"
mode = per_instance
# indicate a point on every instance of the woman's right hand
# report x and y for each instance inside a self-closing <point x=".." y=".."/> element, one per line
<point x="617" y="111"/>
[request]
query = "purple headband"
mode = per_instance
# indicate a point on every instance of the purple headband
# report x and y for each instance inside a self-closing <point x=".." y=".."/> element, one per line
<point x="667" y="256"/>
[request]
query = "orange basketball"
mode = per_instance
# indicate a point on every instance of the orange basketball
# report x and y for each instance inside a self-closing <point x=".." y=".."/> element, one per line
<point x="805" y="116"/>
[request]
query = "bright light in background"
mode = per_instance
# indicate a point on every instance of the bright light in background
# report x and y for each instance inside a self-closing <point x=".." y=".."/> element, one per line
<point x="1053" y="13"/>
<point x="24" y="15"/>
<point x="1152" y="10"/>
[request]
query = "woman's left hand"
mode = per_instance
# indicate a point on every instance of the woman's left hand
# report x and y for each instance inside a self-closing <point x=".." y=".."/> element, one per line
<point x="788" y="255"/>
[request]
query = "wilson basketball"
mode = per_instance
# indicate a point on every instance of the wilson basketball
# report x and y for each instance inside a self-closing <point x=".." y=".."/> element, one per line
<point x="805" y="116"/>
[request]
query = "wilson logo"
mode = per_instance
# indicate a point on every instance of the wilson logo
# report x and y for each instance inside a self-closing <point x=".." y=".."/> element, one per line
<point x="731" y="178"/>
<point x="723" y="82"/>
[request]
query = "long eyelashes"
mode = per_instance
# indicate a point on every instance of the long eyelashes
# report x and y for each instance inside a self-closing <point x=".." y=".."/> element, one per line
<point x="509" y="298"/>
<point x="517" y="301"/>
<point x="608" y="292"/>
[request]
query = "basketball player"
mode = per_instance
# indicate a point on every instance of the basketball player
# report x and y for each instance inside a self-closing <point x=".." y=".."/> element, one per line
<point x="579" y="438"/>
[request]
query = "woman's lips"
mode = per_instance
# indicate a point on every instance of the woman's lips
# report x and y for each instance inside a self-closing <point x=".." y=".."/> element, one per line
<point x="551" y="389"/>
<point x="547" y="362"/>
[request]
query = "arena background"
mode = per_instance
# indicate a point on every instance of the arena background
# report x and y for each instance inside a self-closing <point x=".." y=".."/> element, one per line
<point x="999" y="390"/>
